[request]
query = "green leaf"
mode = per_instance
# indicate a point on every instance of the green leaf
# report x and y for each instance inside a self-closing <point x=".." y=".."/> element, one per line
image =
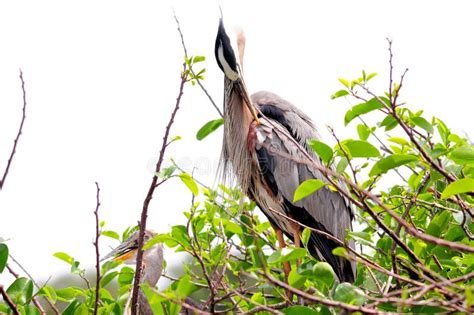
<point x="153" y="299"/>
<point x="275" y="257"/>
<point x="64" y="257"/>
<point x="199" y="59"/>
<point x="470" y="296"/>
<point x="49" y="292"/>
<point x="389" y="123"/>
<point x="111" y="234"/>
<point x="307" y="188"/>
<point x="232" y="227"/>
<point x="423" y="123"/>
<point x="69" y="293"/>
<point x="340" y="251"/>
<point x="458" y="187"/>
<point x="107" y="278"/>
<point x="166" y="172"/>
<point x="392" y="161"/>
<point x="349" y="294"/>
<point x="439" y="223"/>
<point x="305" y="235"/>
<point x="31" y="310"/>
<point x="462" y="155"/>
<point x="397" y="140"/>
<point x="209" y="127"/>
<point x="3" y="256"/>
<point x="185" y="287"/>
<point x="295" y="254"/>
<point x="299" y="310"/>
<point x="339" y="93"/>
<point x="363" y="132"/>
<point x="342" y="164"/>
<point x="344" y="82"/>
<point x="370" y="76"/>
<point x="70" y="310"/>
<point x="324" y="273"/>
<point x="21" y="291"/>
<point x="190" y="183"/>
<point x="322" y="150"/>
<point x="361" y="109"/>
<point x="126" y="276"/>
<point x="158" y="238"/>
<point x="296" y="280"/>
<point x="359" y="148"/>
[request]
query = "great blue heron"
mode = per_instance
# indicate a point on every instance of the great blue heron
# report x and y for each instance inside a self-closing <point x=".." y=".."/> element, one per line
<point x="152" y="265"/>
<point x="265" y="137"/>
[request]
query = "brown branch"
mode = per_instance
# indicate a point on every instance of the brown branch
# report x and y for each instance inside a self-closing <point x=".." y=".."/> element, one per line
<point x="149" y="196"/>
<point x="20" y="130"/>
<point x="410" y="132"/>
<point x="184" y="304"/>
<point x="261" y="307"/>
<point x="97" y="254"/>
<point x="328" y="174"/>
<point x="9" y="301"/>
<point x="316" y="299"/>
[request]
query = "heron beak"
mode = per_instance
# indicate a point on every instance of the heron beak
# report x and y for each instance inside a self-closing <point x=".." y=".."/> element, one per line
<point x="246" y="98"/>
<point x="126" y="256"/>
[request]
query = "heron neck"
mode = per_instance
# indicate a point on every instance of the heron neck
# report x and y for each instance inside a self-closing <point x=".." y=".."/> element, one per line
<point x="237" y="119"/>
<point x="153" y="260"/>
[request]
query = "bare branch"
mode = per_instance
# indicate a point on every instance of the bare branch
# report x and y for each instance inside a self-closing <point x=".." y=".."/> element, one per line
<point x="97" y="254"/>
<point x="149" y="196"/>
<point x="20" y="130"/>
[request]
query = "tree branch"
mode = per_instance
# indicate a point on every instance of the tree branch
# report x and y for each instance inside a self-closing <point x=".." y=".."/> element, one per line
<point x="20" y="129"/>
<point x="9" y="301"/>
<point x="316" y="299"/>
<point x="149" y="196"/>
<point x="97" y="254"/>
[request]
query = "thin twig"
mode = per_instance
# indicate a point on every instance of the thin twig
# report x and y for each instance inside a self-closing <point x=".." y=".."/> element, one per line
<point x="329" y="174"/>
<point x="20" y="130"/>
<point x="9" y="301"/>
<point x="316" y="299"/>
<point x="192" y="71"/>
<point x="97" y="253"/>
<point x="149" y="196"/>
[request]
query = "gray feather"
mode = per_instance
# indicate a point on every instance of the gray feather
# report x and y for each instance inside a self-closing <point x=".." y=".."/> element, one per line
<point x="329" y="208"/>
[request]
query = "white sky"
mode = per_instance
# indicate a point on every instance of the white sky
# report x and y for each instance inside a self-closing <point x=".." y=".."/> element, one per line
<point x="102" y="77"/>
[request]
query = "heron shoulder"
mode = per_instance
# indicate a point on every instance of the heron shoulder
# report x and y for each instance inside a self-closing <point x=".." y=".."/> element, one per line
<point x="291" y="117"/>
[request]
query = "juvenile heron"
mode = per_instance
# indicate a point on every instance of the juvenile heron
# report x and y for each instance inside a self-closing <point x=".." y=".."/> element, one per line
<point x="152" y="265"/>
<point x="265" y="140"/>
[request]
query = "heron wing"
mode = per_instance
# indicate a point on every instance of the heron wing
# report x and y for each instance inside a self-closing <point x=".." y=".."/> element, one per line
<point x="280" y="161"/>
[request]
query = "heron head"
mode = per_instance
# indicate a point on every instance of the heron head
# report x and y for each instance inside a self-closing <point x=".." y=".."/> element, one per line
<point x="127" y="251"/>
<point x="226" y="60"/>
<point x="225" y="55"/>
